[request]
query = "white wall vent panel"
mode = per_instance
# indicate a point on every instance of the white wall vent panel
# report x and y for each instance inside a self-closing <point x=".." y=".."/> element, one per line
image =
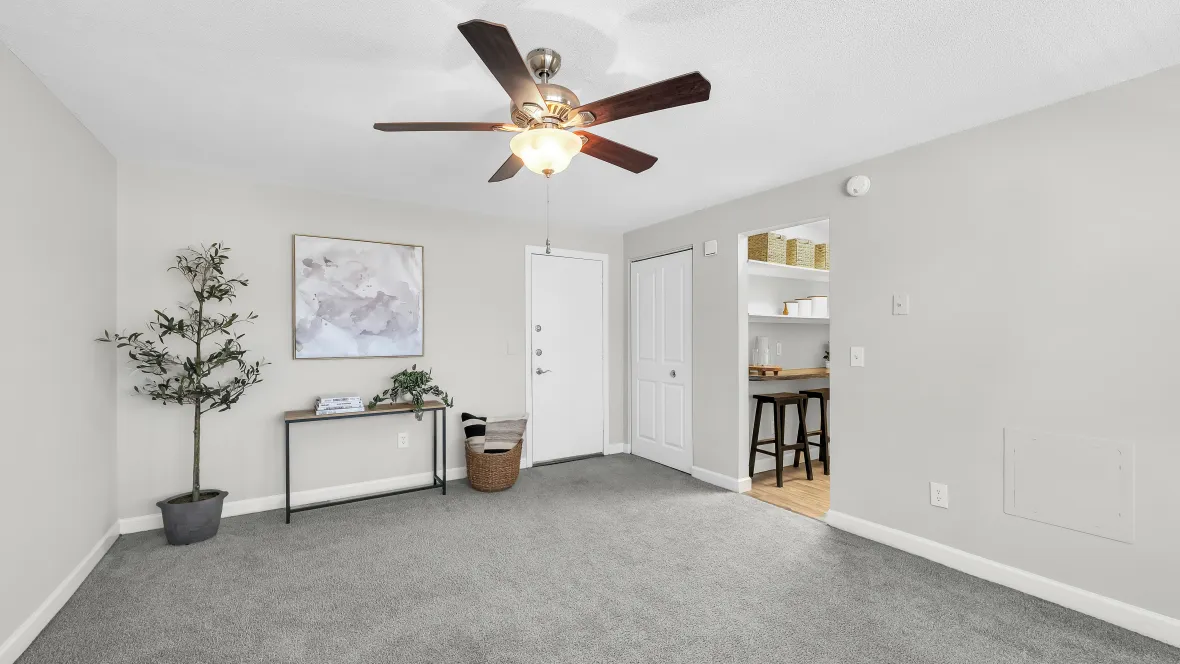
<point x="1083" y="484"/>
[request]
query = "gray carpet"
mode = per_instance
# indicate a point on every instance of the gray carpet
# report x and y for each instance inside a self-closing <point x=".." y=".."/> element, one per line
<point x="603" y="560"/>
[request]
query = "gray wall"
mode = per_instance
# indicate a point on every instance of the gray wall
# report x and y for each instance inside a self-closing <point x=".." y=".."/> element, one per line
<point x="1040" y="256"/>
<point x="474" y="330"/>
<point x="57" y="440"/>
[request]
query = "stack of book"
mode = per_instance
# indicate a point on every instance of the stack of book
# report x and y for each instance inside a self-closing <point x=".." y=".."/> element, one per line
<point x="346" y="403"/>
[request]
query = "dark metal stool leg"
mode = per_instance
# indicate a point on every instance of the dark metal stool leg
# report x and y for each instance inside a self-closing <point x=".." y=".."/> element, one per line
<point x="802" y="408"/>
<point x="823" y="436"/>
<point x="754" y="435"/>
<point x="805" y="446"/>
<point x="779" y="413"/>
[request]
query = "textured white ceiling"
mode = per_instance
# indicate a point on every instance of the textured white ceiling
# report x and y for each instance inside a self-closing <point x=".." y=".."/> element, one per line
<point x="287" y="90"/>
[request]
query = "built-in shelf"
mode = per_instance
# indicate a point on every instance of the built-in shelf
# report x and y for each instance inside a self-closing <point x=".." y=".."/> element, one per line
<point x="764" y="269"/>
<point x="771" y="318"/>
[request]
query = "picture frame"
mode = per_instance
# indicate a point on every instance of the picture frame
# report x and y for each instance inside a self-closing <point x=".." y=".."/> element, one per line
<point x="356" y="299"/>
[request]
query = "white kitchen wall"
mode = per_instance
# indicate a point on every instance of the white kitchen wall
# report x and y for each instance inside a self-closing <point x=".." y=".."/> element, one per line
<point x="474" y="331"/>
<point x="57" y="442"/>
<point x="1039" y="253"/>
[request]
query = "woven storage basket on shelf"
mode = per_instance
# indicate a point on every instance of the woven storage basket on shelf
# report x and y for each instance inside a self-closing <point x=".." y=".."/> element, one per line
<point x="800" y="252"/>
<point x="821" y="257"/>
<point x="493" y="472"/>
<point x="768" y="247"/>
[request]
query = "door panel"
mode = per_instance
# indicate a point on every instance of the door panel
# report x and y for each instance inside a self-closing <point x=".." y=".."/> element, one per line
<point x="647" y="410"/>
<point x="661" y="363"/>
<point x="568" y="409"/>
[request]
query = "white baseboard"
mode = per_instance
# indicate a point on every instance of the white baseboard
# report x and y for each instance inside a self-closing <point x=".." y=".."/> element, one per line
<point x="717" y="479"/>
<point x="15" y="644"/>
<point x="618" y="448"/>
<point x="1127" y="616"/>
<point x="136" y="524"/>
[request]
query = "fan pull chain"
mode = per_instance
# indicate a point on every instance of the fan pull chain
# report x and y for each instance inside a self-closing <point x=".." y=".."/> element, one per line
<point x="548" y="247"/>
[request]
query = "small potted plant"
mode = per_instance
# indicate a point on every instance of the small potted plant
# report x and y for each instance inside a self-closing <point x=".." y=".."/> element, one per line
<point x="213" y="377"/>
<point x="412" y="386"/>
<point x="827" y="357"/>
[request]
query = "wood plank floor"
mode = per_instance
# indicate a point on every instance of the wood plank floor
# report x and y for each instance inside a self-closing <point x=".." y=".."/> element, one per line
<point x="809" y="498"/>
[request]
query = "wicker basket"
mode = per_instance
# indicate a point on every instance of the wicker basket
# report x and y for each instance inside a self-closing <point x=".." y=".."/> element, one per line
<point x="800" y="252"/>
<point x="493" y="472"/>
<point x="768" y="247"/>
<point x="821" y="257"/>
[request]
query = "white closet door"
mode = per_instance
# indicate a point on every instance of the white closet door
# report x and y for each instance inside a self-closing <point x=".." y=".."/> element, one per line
<point x="661" y="360"/>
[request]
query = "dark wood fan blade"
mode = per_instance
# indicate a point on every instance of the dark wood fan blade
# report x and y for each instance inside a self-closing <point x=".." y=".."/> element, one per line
<point x="442" y="126"/>
<point x="616" y="153"/>
<point x="495" y="47"/>
<point x="507" y="169"/>
<point x="686" y="89"/>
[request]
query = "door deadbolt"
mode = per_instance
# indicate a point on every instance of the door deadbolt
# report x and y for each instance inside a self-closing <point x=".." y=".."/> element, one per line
<point x="538" y="352"/>
<point x="538" y="328"/>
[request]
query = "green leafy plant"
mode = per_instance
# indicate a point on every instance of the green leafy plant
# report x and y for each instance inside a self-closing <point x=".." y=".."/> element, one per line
<point x="417" y="385"/>
<point x="190" y="380"/>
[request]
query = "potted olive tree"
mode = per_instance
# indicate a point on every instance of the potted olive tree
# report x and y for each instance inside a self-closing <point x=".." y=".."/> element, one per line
<point x="213" y="377"/>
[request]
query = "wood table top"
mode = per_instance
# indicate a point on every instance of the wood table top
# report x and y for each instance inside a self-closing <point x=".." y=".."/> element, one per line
<point x="381" y="409"/>
<point x="795" y="374"/>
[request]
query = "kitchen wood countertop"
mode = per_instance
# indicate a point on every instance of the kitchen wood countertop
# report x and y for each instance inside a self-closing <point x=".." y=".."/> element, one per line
<point x="794" y="374"/>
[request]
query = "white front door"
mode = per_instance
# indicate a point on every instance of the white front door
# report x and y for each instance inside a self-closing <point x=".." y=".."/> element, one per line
<point x="661" y="359"/>
<point x="568" y="408"/>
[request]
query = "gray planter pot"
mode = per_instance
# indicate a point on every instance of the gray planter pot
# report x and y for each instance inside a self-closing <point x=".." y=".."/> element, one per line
<point x="189" y="523"/>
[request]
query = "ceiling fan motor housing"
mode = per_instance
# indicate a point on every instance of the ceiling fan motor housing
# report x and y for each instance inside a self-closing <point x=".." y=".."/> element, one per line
<point x="559" y="99"/>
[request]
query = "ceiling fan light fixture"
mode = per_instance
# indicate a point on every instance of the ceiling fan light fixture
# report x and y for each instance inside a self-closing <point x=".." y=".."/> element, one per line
<point x="546" y="150"/>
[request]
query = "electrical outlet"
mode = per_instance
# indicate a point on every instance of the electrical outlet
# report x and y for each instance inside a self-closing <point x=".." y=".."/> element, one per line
<point x="858" y="356"/>
<point x="901" y="304"/>
<point x="403" y="440"/>
<point x="939" y="495"/>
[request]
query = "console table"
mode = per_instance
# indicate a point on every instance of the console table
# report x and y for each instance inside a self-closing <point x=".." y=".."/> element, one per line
<point x="296" y="416"/>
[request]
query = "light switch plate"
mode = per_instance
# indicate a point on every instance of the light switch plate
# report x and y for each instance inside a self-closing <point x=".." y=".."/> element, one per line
<point x="710" y="247"/>
<point x="901" y="304"/>
<point x="858" y="356"/>
<point x="778" y="348"/>
<point x="403" y="439"/>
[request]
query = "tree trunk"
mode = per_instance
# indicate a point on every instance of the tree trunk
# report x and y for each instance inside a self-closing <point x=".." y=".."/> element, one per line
<point x="196" y="451"/>
<point x="197" y="399"/>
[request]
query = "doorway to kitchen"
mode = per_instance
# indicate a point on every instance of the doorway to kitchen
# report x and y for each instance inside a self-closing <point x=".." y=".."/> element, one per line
<point x="783" y="278"/>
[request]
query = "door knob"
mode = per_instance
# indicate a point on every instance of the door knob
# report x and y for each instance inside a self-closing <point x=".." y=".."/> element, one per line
<point x="538" y="352"/>
<point x="542" y="371"/>
<point x="673" y="373"/>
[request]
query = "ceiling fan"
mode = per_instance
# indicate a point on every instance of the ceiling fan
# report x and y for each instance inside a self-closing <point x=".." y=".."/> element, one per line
<point x="546" y="117"/>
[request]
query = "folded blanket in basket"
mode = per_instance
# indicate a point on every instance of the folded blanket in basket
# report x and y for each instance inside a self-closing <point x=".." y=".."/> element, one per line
<point x="493" y="434"/>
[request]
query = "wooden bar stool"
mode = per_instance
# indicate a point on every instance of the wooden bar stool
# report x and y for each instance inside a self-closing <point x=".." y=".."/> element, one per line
<point x="822" y="393"/>
<point x="779" y="402"/>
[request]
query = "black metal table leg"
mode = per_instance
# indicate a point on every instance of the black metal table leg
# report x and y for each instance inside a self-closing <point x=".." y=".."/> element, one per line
<point x="434" y="446"/>
<point x="287" y="463"/>
<point x="444" y="450"/>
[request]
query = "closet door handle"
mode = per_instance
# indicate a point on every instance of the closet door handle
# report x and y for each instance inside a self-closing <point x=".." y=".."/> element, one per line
<point x="673" y="373"/>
